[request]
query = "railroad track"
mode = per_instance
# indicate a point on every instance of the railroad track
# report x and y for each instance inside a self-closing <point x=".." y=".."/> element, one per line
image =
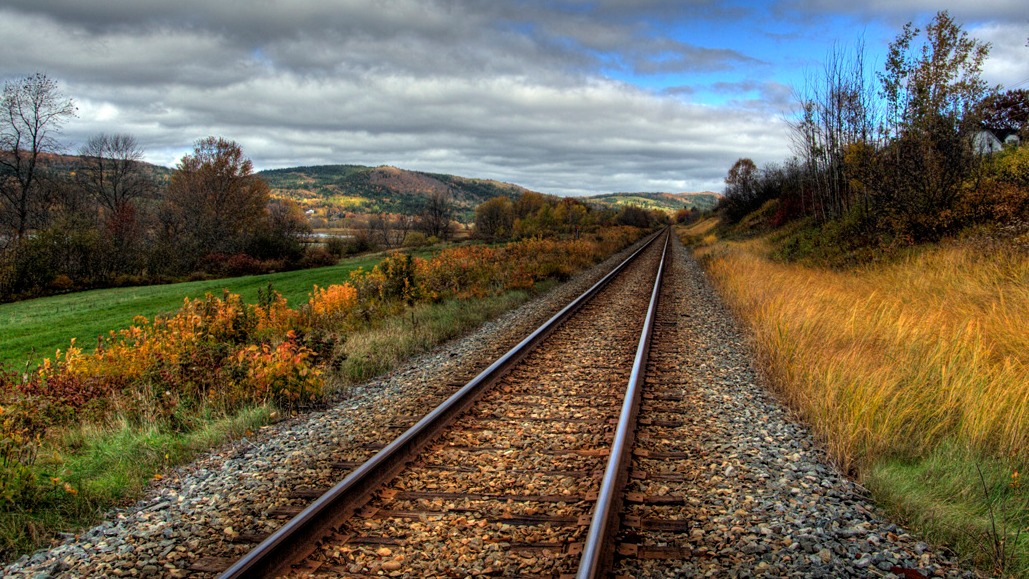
<point x="521" y="472"/>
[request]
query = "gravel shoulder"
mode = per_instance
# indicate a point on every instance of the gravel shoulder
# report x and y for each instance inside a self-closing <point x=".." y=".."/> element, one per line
<point x="807" y="519"/>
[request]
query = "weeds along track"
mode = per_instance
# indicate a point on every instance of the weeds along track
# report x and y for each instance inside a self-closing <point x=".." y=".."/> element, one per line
<point x="509" y="487"/>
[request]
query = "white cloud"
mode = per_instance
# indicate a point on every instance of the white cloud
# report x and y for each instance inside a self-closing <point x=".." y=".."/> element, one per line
<point x="1008" y="64"/>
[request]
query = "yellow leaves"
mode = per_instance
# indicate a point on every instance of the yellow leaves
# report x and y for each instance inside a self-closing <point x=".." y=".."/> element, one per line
<point x="63" y="485"/>
<point x="332" y="302"/>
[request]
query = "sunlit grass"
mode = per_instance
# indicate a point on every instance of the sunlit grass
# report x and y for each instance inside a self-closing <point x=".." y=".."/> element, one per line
<point x="889" y="363"/>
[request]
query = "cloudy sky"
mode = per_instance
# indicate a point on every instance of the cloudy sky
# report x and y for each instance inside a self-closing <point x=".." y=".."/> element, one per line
<point x="561" y="96"/>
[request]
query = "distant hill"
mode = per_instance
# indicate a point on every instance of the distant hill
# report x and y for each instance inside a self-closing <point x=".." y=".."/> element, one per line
<point x="362" y="189"/>
<point x="387" y="189"/>
<point x="67" y="165"/>
<point x="664" y="201"/>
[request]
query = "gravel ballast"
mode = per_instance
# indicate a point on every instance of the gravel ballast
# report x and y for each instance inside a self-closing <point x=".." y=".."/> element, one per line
<point x="813" y="520"/>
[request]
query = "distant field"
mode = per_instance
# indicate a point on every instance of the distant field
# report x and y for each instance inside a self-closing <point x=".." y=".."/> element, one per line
<point x="33" y="329"/>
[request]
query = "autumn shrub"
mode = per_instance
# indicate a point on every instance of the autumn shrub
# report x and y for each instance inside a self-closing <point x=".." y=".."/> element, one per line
<point x="274" y="316"/>
<point x="415" y="239"/>
<point x="329" y="307"/>
<point x="286" y="373"/>
<point x="395" y="277"/>
<point x="391" y="282"/>
<point x="462" y="272"/>
<point x="533" y="258"/>
<point x="21" y="430"/>
<point x="242" y="264"/>
<point x="1002" y="195"/>
<point x="318" y="257"/>
<point x="205" y="353"/>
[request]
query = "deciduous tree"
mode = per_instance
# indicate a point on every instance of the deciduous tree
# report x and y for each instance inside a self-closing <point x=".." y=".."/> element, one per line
<point x="32" y="112"/>
<point x="435" y="219"/>
<point x="494" y="218"/>
<point x="932" y="93"/>
<point x="215" y="200"/>
<point x="740" y="189"/>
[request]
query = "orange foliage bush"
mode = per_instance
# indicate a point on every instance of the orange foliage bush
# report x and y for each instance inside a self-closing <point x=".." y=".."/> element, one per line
<point x="285" y="373"/>
<point x="331" y="305"/>
<point x="462" y="272"/>
<point x="218" y="351"/>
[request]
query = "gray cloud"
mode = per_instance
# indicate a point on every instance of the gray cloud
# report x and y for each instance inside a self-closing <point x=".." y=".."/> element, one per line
<point x="518" y="91"/>
<point x="900" y="11"/>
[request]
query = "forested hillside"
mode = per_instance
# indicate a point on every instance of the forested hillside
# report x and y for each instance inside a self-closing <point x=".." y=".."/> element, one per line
<point x="671" y="202"/>
<point x="383" y="189"/>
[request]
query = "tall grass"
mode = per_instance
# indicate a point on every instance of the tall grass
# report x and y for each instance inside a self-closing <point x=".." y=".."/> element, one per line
<point x="888" y="360"/>
<point x="895" y="365"/>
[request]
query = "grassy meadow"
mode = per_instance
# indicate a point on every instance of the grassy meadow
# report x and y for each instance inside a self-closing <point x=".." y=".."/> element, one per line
<point x="34" y="329"/>
<point x="914" y="373"/>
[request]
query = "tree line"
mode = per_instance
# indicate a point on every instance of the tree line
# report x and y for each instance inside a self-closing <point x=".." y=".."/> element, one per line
<point x="107" y="218"/>
<point x="897" y="157"/>
<point x="534" y="214"/>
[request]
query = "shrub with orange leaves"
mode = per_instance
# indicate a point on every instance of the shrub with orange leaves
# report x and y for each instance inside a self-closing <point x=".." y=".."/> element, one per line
<point x="285" y="373"/>
<point x="274" y="316"/>
<point x="462" y="272"/>
<point x="204" y="353"/>
<point x="330" y="306"/>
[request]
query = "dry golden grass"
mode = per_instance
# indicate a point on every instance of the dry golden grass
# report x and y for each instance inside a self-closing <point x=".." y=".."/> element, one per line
<point x="891" y="360"/>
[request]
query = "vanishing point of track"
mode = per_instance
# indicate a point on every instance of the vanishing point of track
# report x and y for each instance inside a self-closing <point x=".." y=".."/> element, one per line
<point x="521" y="472"/>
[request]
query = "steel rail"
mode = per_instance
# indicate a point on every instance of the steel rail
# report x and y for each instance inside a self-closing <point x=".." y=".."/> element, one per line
<point x="295" y="540"/>
<point x="598" y="550"/>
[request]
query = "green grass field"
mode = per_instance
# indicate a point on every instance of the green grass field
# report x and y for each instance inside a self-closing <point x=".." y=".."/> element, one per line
<point x="34" y="329"/>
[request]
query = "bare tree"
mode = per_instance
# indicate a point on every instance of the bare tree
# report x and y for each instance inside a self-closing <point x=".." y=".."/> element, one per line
<point x="382" y="231"/>
<point x="838" y="117"/>
<point x="32" y="110"/>
<point x="112" y="171"/>
<point x="435" y="219"/>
